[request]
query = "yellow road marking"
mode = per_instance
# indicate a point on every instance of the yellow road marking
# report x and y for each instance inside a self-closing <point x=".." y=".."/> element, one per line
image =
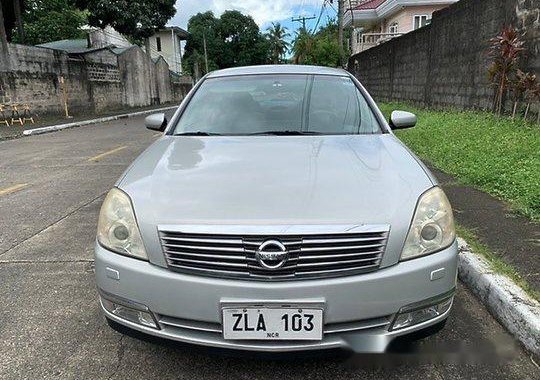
<point x="100" y="156"/>
<point x="157" y="134"/>
<point x="12" y="189"/>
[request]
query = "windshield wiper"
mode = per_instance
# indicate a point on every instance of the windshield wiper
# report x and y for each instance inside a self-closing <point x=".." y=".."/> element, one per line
<point x="198" y="133"/>
<point x="286" y="133"/>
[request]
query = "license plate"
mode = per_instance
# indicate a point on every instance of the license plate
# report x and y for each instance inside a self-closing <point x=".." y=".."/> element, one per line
<point x="265" y="323"/>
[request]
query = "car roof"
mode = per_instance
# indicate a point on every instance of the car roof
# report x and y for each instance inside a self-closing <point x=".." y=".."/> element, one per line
<point x="277" y="69"/>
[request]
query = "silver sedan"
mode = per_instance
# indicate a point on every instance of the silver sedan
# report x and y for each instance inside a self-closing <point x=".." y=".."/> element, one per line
<point x="278" y="212"/>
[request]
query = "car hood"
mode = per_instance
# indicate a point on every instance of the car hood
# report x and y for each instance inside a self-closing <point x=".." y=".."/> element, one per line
<point x="276" y="180"/>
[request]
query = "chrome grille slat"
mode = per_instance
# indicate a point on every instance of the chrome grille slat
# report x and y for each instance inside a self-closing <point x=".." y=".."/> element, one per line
<point x="190" y="325"/>
<point x="332" y="263"/>
<point x="209" y="241"/>
<point x="341" y="255"/>
<point x="206" y="255"/>
<point x="204" y="248"/>
<point x="256" y="243"/>
<point x="340" y="248"/>
<point x="310" y="255"/>
<point x="211" y="263"/>
<point x="339" y="241"/>
<point x="341" y="270"/>
<point x="331" y="328"/>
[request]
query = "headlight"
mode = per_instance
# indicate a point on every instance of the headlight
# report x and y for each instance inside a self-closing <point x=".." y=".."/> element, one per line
<point x="432" y="228"/>
<point x="117" y="227"/>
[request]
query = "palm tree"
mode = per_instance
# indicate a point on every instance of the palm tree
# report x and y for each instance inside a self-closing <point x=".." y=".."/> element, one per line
<point x="276" y="35"/>
<point x="303" y="47"/>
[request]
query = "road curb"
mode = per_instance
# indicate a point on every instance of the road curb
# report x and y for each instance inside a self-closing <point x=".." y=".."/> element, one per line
<point x="53" y="128"/>
<point x="510" y="305"/>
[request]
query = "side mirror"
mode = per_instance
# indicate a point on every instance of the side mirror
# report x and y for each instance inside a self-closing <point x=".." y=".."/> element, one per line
<point x="156" y="122"/>
<point x="402" y="120"/>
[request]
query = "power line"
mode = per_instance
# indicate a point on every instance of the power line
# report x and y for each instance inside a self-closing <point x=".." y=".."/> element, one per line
<point x="323" y="6"/>
<point x="303" y="20"/>
<point x="331" y="4"/>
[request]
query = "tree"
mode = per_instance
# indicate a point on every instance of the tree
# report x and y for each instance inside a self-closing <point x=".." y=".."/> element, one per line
<point x="244" y="43"/>
<point x="8" y="15"/>
<point x="276" y="35"/>
<point x="51" y="20"/>
<point x="17" y="10"/>
<point x="202" y="26"/>
<point x="321" y="48"/>
<point x="135" y="19"/>
<point x="303" y="47"/>
<point x="3" y="41"/>
<point x="232" y="40"/>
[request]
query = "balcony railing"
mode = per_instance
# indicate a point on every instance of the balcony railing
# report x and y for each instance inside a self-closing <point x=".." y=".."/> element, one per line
<point x="368" y="40"/>
<point x="350" y="4"/>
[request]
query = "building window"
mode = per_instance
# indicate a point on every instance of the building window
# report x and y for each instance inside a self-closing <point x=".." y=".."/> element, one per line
<point x="393" y="28"/>
<point x="158" y="43"/>
<point x="421" y="21"/>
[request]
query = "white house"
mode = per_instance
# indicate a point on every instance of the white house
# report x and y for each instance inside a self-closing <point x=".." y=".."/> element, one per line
<point x="168" y="43"/>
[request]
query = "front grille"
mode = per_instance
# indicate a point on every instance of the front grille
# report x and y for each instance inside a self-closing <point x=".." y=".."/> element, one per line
<point x="310" y="256"/>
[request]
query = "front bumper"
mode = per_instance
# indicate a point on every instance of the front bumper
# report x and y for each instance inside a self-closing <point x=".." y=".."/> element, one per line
<point x="358" y="310"/>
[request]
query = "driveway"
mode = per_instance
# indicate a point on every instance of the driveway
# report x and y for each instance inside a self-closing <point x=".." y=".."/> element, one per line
<point x="51" y="188"/>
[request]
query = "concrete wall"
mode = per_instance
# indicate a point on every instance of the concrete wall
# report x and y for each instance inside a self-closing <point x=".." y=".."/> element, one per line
<point x="528" y="20"/>
<point x="137" y="73"/>
<point x="95" y="82"/>
<point x="163" y="80"/>
<point x="445" y="63"/>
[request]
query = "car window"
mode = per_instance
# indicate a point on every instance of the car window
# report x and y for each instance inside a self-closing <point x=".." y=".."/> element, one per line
<point x="338" y="107"/>
<point x="255" y="104"/>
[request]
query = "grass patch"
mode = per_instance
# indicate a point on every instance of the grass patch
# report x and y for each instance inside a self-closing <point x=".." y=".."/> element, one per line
<point x="495" y="154"/>
<point x="496" y="263"/>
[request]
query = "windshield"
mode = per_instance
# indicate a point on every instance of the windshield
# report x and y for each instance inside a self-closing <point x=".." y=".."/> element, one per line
<point x="277" y="104"/>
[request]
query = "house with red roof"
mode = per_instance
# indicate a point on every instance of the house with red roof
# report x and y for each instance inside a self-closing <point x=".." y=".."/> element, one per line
<point x="377" y="21"/>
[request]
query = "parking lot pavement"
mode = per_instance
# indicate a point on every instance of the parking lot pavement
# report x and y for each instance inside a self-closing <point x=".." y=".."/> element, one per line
<point x="50" y="323"/>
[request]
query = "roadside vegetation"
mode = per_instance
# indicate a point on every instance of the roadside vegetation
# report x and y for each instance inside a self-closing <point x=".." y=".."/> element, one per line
<point x="318" y="48"/>
<point x="496" y="263"/>
<point x="34" y="22"/>
<point x="495" y="154"/>
<point x="234" y="39"/>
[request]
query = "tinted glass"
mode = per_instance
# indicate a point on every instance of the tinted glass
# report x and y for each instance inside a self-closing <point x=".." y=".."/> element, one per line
<point x="273" y="103"/>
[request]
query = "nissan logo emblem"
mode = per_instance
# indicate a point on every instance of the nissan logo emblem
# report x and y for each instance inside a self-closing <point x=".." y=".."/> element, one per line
<point x="272" y="254"/>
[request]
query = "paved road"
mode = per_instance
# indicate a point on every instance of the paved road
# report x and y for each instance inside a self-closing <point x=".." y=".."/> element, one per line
<point x="51" y="188"/>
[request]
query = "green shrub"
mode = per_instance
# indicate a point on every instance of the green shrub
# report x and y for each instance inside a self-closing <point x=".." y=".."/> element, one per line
<point x="495" y="154"/>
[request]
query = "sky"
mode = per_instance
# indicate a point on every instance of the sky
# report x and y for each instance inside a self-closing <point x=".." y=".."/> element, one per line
<point x="264" y="12"/>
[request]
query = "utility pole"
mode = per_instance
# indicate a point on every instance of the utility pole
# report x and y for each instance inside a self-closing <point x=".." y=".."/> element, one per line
<point x="303" y="20"/>
<point x="341" y="12"/>
<point x="205" y="52"/>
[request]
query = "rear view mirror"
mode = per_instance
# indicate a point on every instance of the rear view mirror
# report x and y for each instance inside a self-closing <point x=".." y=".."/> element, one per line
<point x="402" y="120"/>
<point x="156" y="122"/>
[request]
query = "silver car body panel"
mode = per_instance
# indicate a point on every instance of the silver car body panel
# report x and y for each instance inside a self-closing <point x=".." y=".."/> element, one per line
<point x="275" y="180"/>
<point x="270" y="184"/>
<point x="346" y="300"/>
